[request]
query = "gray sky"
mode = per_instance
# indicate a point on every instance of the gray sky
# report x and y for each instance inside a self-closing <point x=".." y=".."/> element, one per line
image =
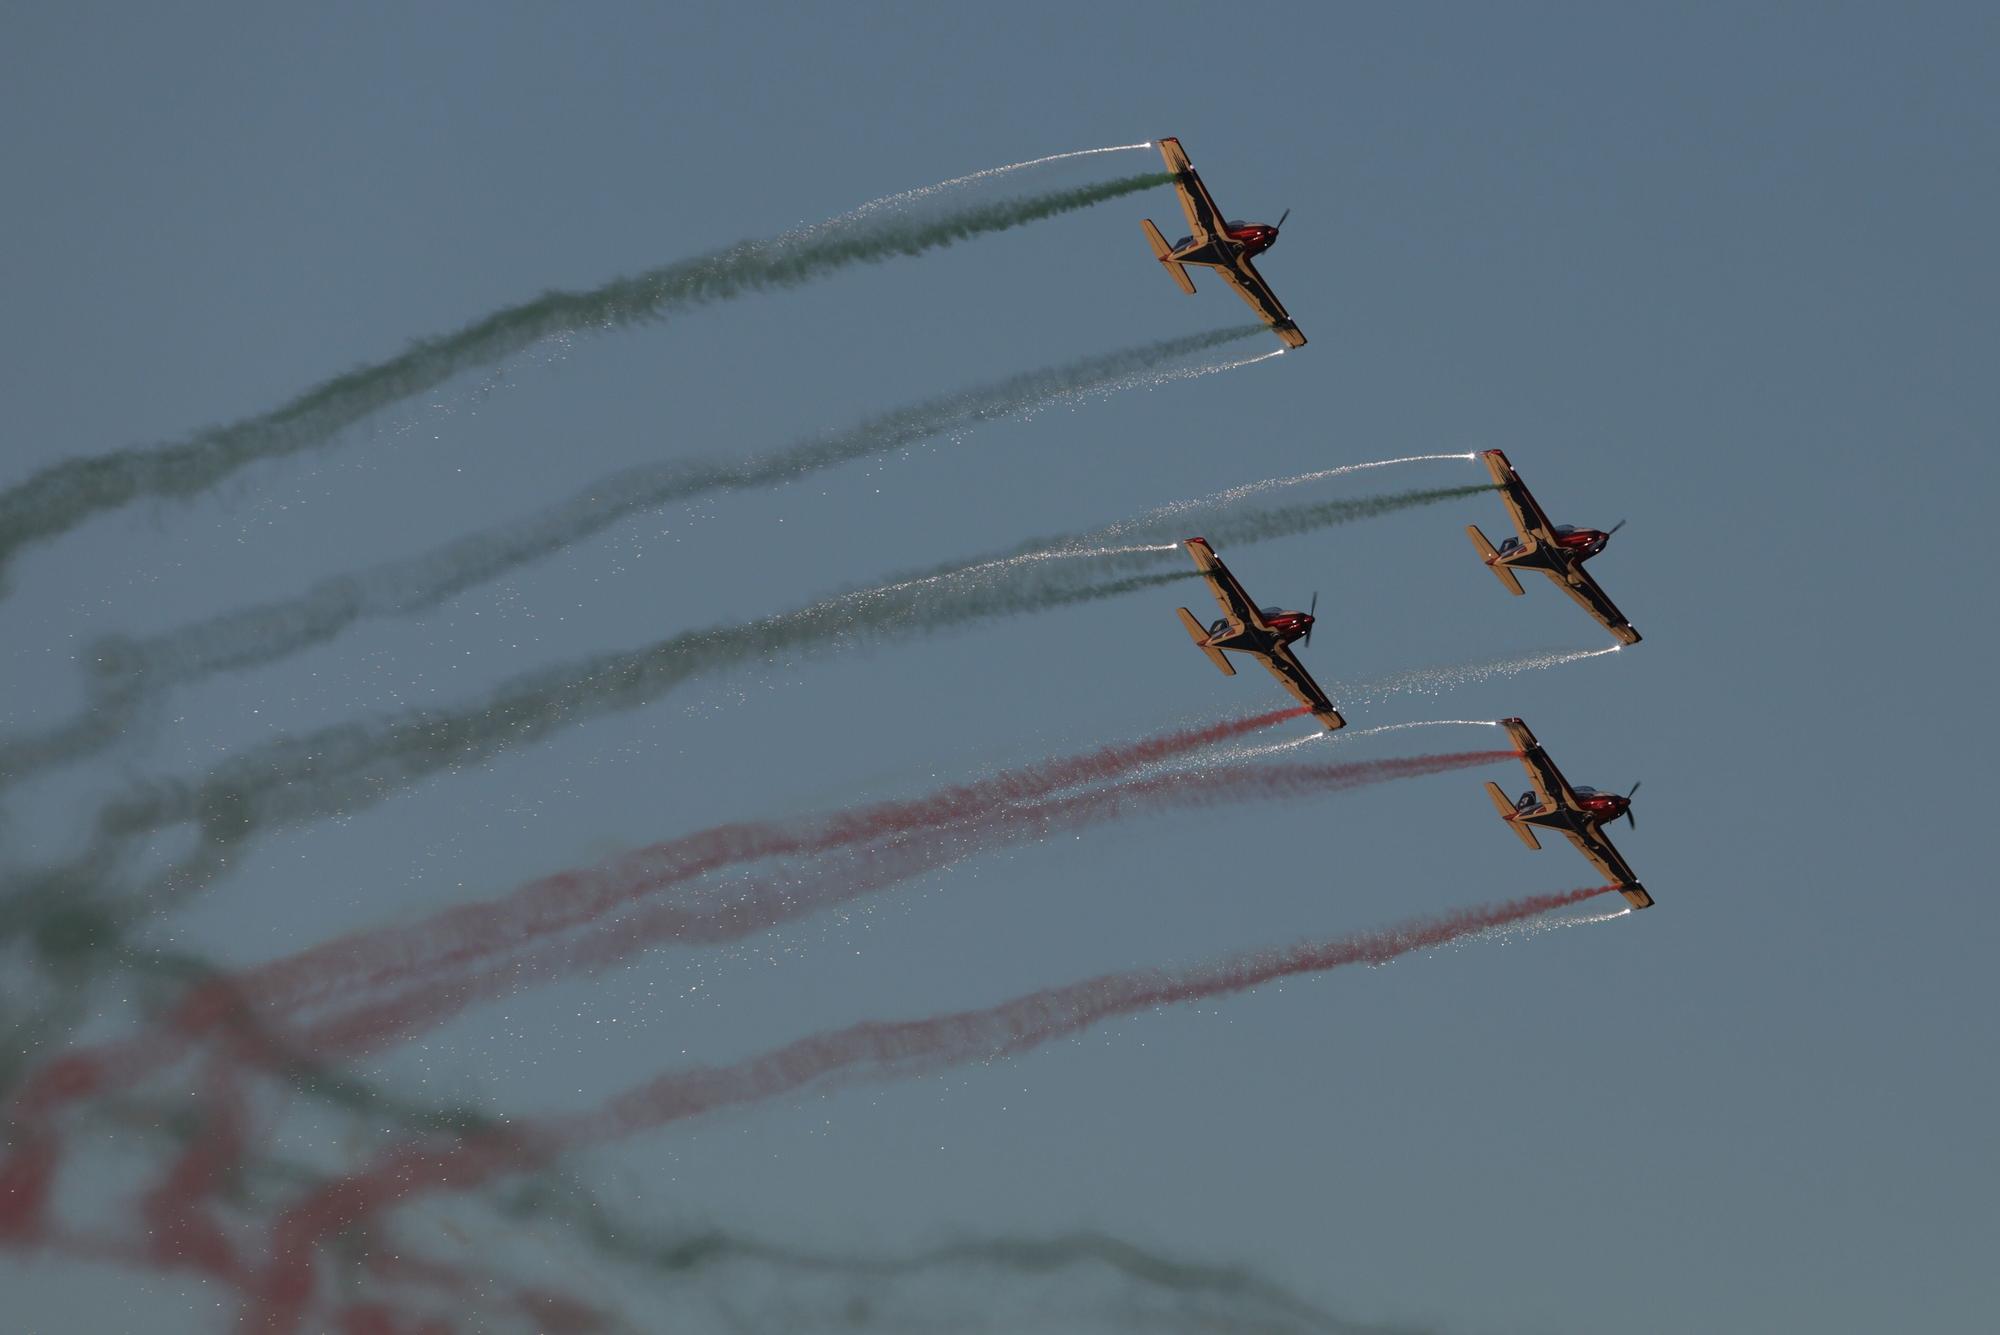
<point x="1715" y="271"/>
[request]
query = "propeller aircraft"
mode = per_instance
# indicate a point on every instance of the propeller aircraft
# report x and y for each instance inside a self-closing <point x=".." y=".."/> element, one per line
<point x="1264" y="633"/>
<point x="1558" y="551"/>
<point x="1578" y="814"/>
<point x="1224" y="246"/>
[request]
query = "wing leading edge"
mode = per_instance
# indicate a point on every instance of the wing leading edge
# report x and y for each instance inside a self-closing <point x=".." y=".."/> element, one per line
<point x="1229" y="593"/>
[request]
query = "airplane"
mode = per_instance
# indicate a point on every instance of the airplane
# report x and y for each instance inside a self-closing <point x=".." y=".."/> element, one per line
<point x="1558" y="551"/>
<point x="1225" y="247"/>
<point x="1578" y="814"/>
<point x="1264" y="633"/>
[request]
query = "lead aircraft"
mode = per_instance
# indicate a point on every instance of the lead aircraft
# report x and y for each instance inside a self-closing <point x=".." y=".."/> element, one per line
<point x="1557" y="550"/>
<point x="1225" y="247"/>
<point x="1578" y="814"/>
<point x="1262" y="632"/>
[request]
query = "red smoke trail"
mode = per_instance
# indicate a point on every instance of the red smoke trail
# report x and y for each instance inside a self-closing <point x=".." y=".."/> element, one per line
<point x="370" y="960"/>
<point x="385" y="956"/>
<point x="179" y="1231"/>
<point x="884" y="1049"/>
<point x="761" y="904"/>
<point x="374" y="958"/>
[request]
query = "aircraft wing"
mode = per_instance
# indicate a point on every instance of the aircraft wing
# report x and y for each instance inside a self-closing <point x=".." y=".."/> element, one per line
<point x="1292" y="675"/>
<point x="1204" y="219"/>
<point x="1534" y="526"/>
<point x="1580" y="586"/>
<point x="1229" y="594"/>
<point x="1542" y="771"/>
<point x="1250" y="285"/>
<point x="1609" y="862"/>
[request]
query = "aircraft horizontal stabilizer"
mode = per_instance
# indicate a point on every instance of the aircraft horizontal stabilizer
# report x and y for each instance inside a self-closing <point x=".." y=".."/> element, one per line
<point x="1492" y="558"/>
<point x="1161" y="249"/>
<point x="1506" y="810"/>
<point x="1200" y="638"/>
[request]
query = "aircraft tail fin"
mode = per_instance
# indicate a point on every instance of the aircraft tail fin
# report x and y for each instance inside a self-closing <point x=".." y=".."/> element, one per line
<point x="1492" y="558"/>
<point x="1200" y="638"/>
<point x="1164" y="252"/>
<point x="1506" y="810"/>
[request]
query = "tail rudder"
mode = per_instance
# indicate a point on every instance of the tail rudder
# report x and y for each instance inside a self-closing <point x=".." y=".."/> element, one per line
<point x="1200" y="638"/>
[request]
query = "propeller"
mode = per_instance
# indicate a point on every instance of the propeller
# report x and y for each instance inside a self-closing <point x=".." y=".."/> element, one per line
<point x="1614" y="528"/>
<point x="1631" y="819"/>
<point x="1279" y="226"/>
<point x="1311" y="620"/>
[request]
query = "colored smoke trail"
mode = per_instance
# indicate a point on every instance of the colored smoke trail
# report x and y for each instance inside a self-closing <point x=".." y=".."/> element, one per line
<point x="127" y="670"/>
<point x="63" y="495"/>
<point x="1102" y="546"/>
<point x="352" y="766"/>
<point x="568" y="899"/>
<point x="285" y="1290"/>
<point x="1286" y="521"/>
<point x="1206" y="1296"/>
<point x="731" y="912"/>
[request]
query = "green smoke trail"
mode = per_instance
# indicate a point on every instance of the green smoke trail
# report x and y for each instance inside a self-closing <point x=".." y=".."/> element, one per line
<point x="1148" y="543"/>
<point x="63" y="495"/>
<point x="128" y="671"/>
<point x="351" y="766"/>
<point x="1250" y="1295"/>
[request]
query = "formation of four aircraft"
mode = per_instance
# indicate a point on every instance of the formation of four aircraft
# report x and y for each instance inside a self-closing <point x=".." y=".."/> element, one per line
<point x="1267" y="633"/>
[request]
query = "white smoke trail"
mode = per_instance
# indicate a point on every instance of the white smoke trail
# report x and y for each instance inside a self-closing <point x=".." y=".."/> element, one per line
<point x="981" y="569"/>
<point x="1419" y="723"/>
<point x="1438" y="680"/>
<point x="904" y="197"/>
<point x="1232" y="494"/>
<point x="1242" y="753"/>
<point x="1142" y="380"/>
<point x="1527" y="928"/>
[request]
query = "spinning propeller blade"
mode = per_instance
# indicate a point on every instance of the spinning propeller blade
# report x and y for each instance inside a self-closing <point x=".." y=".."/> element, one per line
<point x="1279" y="226"/>
<point x="1614" y="528"/>
<point x="1311" y="618"/>
<point x="1631" y="819"/>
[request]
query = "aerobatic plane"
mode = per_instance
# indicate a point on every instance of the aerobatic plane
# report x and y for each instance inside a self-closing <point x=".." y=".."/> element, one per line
<point x="1263" y="632"/>
<point x="1558" y="551"/>
<point x="1578" y="814"/>
<point x="1225" y="247"/>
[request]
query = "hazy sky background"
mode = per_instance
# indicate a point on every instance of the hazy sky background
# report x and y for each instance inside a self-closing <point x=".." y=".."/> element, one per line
<point x="1722" y="271"/>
